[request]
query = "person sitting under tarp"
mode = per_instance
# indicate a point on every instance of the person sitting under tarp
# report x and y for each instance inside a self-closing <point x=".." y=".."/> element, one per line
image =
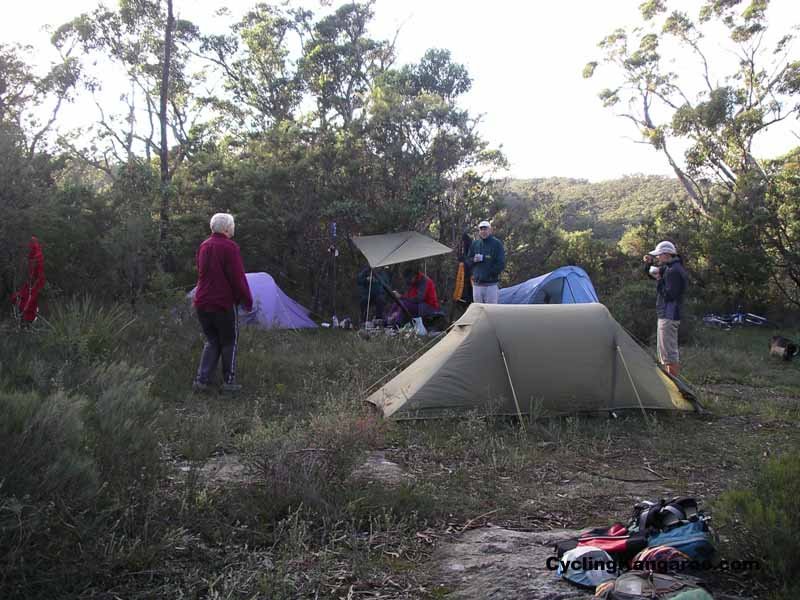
<point x="419" y="300"/>
<point x="374" y="294"/>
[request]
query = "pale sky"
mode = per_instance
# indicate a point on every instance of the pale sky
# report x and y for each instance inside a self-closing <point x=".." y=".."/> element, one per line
<point x="525" y="58"/>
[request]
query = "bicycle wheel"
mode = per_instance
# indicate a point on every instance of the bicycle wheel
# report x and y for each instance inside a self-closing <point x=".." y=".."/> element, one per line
<point x="716" y="321"/>
<point x="752" y="319"/>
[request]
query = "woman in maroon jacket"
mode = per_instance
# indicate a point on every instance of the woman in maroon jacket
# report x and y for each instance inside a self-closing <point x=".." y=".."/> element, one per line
<point x="221" y="287"/>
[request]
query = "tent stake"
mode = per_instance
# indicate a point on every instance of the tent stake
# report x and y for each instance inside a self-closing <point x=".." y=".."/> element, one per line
<point x="513" y="393"/>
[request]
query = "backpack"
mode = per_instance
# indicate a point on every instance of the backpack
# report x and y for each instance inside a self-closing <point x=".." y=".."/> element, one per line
<point x="648" y="516"/>
<point x="661" y="559"/>
<point x="616" y="540"/>
<point x="641" y="585"/>
<point x="694" y="539"/>
<point x="587" y="567"/>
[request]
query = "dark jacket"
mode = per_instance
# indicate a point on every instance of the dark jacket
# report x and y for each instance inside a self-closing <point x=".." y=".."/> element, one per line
<point x="221" y="283"/>
<point x="671" y="288"/>
<point x="487" y="271"/>
<point x="377" y="290"/>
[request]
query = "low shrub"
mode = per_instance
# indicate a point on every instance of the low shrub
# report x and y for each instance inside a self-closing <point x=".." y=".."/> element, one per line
<point x="122" y="424"/>
<point x="83" y="328"/>
<point x="762" y="523"/>
<point x="307" y="463"/>
<point x="43" y="455"/>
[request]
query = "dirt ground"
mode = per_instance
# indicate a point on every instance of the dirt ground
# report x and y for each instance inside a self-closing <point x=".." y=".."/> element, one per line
<point x="508" y="512"/>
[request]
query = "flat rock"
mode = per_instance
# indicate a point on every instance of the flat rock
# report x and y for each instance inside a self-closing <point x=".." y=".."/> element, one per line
<point x="377" y="468"/>
<point x="493" y="562"/>
<point x="226" y="468"/>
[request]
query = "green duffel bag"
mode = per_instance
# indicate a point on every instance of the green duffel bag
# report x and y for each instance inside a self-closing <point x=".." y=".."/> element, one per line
<point x="638" y="585"/>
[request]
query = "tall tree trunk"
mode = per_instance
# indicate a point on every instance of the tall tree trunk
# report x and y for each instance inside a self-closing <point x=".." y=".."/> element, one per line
<point x="165" y="254"/>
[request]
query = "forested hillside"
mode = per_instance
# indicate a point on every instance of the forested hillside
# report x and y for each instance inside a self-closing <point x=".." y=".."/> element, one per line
<point x="609" y="208"/>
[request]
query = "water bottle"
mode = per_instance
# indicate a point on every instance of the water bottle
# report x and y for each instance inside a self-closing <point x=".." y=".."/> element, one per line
<point x="335" y="321"/>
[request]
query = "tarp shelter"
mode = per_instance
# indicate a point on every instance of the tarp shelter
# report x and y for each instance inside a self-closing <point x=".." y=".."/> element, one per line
<point x="272" y="308"/>
<point x="539" y="359"/>
<point x="565" y="285"/>
<point x="392" y="248"/>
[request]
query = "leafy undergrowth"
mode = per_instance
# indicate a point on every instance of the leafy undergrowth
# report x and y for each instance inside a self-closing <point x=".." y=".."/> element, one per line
<point x="106" y="491"/>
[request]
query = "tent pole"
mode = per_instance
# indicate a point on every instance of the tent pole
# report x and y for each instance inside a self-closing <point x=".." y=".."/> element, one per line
<point x="633" y="385"/>
<point x="613" y="380"/>
<point x="566" y="280"/>
<point x="369" y="296"/>
<point x="513" y="392"/>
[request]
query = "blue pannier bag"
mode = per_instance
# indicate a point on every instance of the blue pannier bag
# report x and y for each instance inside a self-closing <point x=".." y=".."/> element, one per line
<point x="693" y="539"/>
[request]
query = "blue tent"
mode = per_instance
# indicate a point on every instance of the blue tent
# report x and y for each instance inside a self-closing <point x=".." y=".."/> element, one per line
<point x="565" y="285"/>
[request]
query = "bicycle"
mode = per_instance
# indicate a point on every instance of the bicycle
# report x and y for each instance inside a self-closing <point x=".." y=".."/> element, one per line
<point x="738" y="318"/>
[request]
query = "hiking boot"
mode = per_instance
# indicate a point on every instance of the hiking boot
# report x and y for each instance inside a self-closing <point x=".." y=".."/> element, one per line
<point x="199" y="387"/>
<point x="231" y="387"/>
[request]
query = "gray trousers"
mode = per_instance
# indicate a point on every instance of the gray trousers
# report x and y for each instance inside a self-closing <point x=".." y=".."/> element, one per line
<point x="485" y="294"/>
<point x="667" y="341"/>
<point x="221" y="330"/>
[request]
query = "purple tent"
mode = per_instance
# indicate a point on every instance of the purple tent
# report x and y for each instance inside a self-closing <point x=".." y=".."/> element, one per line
<point x="272" y="309"/>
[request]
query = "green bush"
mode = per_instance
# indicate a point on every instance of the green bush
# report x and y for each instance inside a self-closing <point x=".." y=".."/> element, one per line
<point x="633" y="306"/>
<point x="762" y="522"/>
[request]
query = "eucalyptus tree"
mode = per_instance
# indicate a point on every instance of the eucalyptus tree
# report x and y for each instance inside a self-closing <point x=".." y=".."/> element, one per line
<point x="719" y="115"/>
<point x="436" y="162"/>
<point x="30" y="104"/>
<point x="152" y="48"/>
<point x="262" y="84"/>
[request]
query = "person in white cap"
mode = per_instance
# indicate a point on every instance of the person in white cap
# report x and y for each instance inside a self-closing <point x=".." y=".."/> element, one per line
<point x="486" y="259"/>
<point x="672" y="283"/>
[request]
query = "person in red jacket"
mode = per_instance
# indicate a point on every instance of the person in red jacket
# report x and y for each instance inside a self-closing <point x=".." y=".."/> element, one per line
<point x="419" y="300"/>
<point x="221" y="288"/>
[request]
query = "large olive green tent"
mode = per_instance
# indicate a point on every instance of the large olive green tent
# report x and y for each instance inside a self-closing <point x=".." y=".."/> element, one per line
<point x="539" y="359"/>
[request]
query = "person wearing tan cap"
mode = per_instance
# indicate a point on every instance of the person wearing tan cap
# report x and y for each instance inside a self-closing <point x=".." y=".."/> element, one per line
<point x="665" y="266"/>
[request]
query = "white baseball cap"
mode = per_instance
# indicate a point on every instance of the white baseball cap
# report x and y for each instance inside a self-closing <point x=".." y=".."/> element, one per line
<point x="484" y="224"/>
<point x="664" y="248"/>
